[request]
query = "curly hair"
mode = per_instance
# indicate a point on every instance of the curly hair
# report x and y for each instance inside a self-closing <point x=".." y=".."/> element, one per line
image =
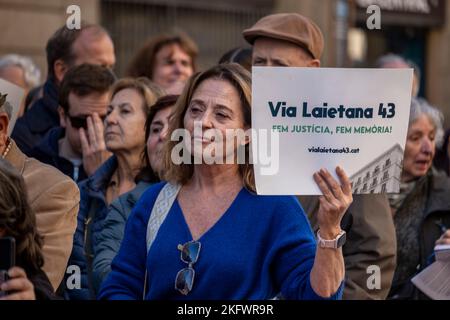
<point x="17" y="220"/>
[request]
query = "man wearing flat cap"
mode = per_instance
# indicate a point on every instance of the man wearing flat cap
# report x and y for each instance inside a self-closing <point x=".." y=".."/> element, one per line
<point x="292" y="40"/>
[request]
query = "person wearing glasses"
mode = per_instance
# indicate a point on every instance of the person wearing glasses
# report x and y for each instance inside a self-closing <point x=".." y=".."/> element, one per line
<point x="65" y="49"/>
<point x="124" y="135"/>
<point x="219" y="239"/>
<point x="77" y="148"/>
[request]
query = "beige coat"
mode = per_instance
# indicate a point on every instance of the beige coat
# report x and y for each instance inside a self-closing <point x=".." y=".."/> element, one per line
<point x="54" y="198"/>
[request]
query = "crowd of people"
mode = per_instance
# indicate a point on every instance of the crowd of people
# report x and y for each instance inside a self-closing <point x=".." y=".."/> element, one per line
<point x="99" y="209"/>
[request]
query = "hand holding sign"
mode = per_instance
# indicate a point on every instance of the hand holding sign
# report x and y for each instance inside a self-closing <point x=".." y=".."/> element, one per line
<point x="324" y="117"/>
<point x="335" y="201"/>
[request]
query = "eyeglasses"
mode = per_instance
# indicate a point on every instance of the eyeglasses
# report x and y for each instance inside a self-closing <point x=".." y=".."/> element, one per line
<point x="81" y="122"/>
<point x="184" y="280"/>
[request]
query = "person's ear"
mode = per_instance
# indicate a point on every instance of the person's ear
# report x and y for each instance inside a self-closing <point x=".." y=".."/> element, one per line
<point x="60" y="68"/>
<point x="313" y="63"/>
<point x="62" y="117"/>
<point x="4" y="122"/>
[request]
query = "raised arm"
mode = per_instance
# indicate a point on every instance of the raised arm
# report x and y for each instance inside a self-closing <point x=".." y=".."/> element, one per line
<point x="328" y="270"/>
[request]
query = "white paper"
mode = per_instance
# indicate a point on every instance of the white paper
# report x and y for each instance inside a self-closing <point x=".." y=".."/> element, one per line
<point x="303" y="153"/>
<point x="434" y="280"/>
<point x="14" y="98"/>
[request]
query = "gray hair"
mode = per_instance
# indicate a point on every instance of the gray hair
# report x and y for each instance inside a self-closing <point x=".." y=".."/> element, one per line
<point x="391" y="58"/>
<point x="421" y="107"/>
<point x="388" y="59"/>
<point x="31" y="72"/>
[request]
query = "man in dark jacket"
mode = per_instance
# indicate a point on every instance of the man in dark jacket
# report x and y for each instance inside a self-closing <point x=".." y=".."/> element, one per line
<point x="292" y="40"/>
<point x="77" y="148"/>
<point x="65" y="49"/>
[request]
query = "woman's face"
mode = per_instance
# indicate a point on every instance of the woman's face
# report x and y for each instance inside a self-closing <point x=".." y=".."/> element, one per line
<point x="420" y="148"/>
<point x="172" y="66"/>
<point x="215" y="105"/>
<point x="125" y="122"/>
<point x="155" y="141"/>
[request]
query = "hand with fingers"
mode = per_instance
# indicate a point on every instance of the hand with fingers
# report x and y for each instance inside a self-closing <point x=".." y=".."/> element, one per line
<point x="444" y="239"/>
<point x="328" y="270"/>
<point x="93" y="144"/>
<point x="336" y="198"/>
<point x="18" y="286"/>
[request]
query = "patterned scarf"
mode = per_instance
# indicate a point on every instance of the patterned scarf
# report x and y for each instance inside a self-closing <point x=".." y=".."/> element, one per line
<point x="396" y="199"/>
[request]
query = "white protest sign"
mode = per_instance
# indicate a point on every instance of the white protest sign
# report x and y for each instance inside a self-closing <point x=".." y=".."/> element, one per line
<point x="14" y="97"/>
<point x="325" y="117"/>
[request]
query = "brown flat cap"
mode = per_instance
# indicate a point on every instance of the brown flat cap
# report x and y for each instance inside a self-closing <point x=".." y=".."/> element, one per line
<point x="292" y="27"/>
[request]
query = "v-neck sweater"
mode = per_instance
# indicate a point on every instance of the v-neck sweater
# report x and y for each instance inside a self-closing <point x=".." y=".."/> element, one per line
<point x="260" y="246"/>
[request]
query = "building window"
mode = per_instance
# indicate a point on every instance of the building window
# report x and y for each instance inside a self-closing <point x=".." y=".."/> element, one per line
<point x="376" y="170"/>
<point x="374" y="182"/>
<point x="383" y="188"/>
<point x="387" y="163"/>
<point x="359" y="181"/>
<point x="364" y="187"/>
<point x="356" y="190"/>
<point x="385" y="175"/>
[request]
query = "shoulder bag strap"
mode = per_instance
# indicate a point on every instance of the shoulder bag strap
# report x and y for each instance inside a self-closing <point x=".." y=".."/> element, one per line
<point x="160" y="209"/>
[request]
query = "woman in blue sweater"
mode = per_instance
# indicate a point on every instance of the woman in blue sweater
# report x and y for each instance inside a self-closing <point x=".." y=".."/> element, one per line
<point x="219" y="239"/>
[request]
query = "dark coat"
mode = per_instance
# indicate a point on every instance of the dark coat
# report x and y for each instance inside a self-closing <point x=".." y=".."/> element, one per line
<point x="111" y="235"/>
<point x="93" y="211"/>
<point x="36" y="122"/>
<point x="47" y="151"/>
<point x="43" y="289"/>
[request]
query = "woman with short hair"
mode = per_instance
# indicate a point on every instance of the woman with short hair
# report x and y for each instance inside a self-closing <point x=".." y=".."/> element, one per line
<point x="111" y="234"/>
<point x="421" y="210"/>
<point x="124" y="136"/>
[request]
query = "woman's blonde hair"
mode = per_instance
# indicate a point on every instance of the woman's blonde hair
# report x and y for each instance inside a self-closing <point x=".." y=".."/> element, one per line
<point x="240" y="79"/>
<point x="149" y="91"/>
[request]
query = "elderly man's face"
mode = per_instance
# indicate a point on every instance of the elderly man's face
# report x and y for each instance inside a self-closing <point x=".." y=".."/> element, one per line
<point x="268" y="52"/>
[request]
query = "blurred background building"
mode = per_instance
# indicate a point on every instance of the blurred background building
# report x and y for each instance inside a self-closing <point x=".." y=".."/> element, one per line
<point x="416" y="29"/>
